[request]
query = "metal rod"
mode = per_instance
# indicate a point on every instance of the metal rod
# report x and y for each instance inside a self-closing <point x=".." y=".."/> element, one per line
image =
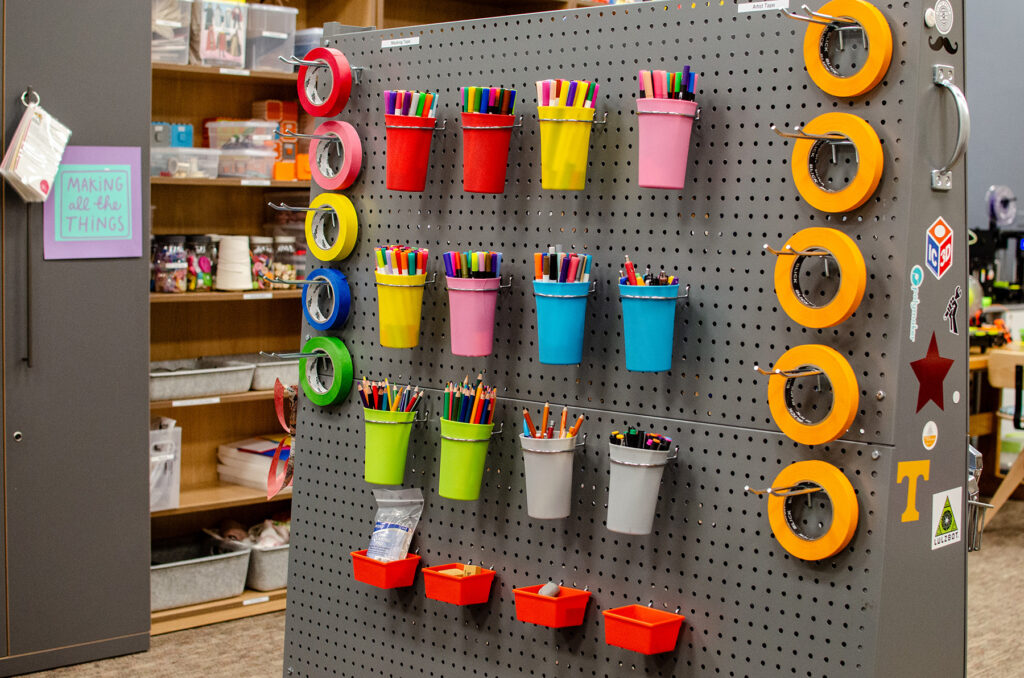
<point x="789" y="251"/>
<point x="788" y="374"/>
<point x="791" y="491"/>
<point x="288" y="208"/>
<point x="297" y="135"/>
<point x="278" y="281"/>
<point x="293" y="356"/>
<point x="819" y="18"/>
<point x="797" y="133"/>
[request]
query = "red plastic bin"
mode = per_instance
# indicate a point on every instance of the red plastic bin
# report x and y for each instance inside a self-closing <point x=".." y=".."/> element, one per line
<point x="566" y="609"/>
<point x="642" y="629"/>
<point x="408" y="151"/>
<point x="471" y="590"/>
<point x="486" y="140"/>
<point x="393" y="575"/>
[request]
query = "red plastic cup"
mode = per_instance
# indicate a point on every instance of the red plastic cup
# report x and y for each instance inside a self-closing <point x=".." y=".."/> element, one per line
<point x="565" y="609"/>
<point x="393" y="575"/>
<point x="471" y="590"/>
<point x="642" y="629"/>
<point x="485" y="144"/>
<point x="408" y="151"/>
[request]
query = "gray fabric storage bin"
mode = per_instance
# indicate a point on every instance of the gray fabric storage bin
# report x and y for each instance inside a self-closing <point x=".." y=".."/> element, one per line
<point x="195" y="378"/>
<point x="195" y="570"/>
<point x="268" y="568"/>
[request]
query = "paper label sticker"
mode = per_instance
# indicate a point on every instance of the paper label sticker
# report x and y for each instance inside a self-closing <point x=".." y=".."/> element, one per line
<point x="256" y="601"/>
<point x="166" y="23"/>
<point x="247" y="296"/>
<point x="762" y="6"/>
<point x="939" y="248"/>
<point x="276" y="35"/>
<point x="946" y="517"/>
<point x="234" y="71"/>
<point x="399" y="42"/>
<point x="255" y="182"/>
<point x="195" y="401"/>
<point x="930" y="435"/>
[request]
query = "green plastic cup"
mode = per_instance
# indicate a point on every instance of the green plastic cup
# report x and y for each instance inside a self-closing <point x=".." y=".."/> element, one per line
<point x="463" y="454"/>
<point x="387" y="445"/>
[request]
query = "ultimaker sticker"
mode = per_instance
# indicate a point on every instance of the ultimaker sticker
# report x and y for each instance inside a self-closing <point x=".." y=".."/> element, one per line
<point x="946" y="517"/>
<point x="951" y="307"/>
<point x="916" y="278"/>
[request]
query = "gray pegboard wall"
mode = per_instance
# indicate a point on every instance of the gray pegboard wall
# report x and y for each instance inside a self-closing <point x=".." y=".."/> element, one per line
<point x="751" y="609"/>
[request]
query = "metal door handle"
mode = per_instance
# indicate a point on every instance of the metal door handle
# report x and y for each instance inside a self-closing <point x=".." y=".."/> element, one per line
<point x="942" y="179"/>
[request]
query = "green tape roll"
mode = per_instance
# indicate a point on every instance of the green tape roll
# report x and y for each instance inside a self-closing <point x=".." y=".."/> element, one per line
<point x="331" y="384"/>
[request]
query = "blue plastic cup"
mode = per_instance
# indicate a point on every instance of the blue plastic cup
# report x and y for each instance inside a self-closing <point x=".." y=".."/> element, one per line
<point x="648" y="325"/>
<point x="561" y="314"/>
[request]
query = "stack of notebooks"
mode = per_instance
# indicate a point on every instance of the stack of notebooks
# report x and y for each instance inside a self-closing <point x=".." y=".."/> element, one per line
<point x="247" y="462"/>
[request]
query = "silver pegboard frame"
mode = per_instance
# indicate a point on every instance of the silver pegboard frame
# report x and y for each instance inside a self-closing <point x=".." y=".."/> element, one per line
<point x="752" y="609"/>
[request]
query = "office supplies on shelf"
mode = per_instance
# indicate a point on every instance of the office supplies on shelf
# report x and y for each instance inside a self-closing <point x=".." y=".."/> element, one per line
<point x="467" y="423"/>
<point x="473" y="280"/>
<point x="472" y="264"/>
<point x="403" y="102"/>
<point x="561" y="286"/>
<point x="409" y="122"/>
<point x="638" y="461"/>
<point x="648" y="317"/>
<point x="401" y="260"/>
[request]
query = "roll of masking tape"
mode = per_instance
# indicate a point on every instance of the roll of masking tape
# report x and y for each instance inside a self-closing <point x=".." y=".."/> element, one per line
<point x="331" y="234"/>
<point x="869" y="169"/>
<point x="845" y="511"/>
<point x="326" y="379"/>
<point x="845" y="394"/>
<point x="324" y="90"/>
<point x="326" y="304"/>
<point x="852" y="272"/>
<point x="877" y="41"/>
<point x="335" y="163"/>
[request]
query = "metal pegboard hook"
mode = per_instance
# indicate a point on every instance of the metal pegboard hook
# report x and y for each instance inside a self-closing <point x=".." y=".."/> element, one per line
<point x="819" y="17"/>
<point x="791" y="491"/>
<point x="281" y="207"/>
<point x="602" y="121"/>
<point x="832" y="138"/>
<point x="789" y="251"/>
<point x="517" y="123"/>
<point x="293" y="356"/>
<point x="582" y="443"/>
<point x="278" y="281"/>
<point x="297" y="135"/>
<point x="357" y="71"/>
<point x="501" y="429"/>
<point x="788" y="374"/>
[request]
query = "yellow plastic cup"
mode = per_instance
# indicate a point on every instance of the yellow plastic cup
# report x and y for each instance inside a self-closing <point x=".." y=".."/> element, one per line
<point x="399" y="308"/>
<point x="564" y="146"/>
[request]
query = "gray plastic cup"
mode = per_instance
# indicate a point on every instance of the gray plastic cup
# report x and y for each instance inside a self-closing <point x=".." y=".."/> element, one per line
<point x="548" y="465"/>
<point x="633" y="487"/>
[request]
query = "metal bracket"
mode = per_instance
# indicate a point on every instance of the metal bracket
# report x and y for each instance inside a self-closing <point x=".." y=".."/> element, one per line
<point x="942" y="179"/>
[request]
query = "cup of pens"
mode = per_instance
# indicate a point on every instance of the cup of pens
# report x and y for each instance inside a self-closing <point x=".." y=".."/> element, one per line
<point x="648" y="319"/>
<point x="389" y="412"/>
<point x="401" y="275"/>
<point x="487" y="122"/>
<point x="561" y="286"/>
<point x="547" y="462"/>
<point x="409" y="124"/>
<point x="638" y="461"/>
<point x="666" y="111"/>
<point x="467" y="421"/>
<point x="473" y="282"/>
<point x="566" y="115"/>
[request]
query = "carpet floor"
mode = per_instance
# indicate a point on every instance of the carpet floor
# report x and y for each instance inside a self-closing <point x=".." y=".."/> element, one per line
<point x="255" y="645"/>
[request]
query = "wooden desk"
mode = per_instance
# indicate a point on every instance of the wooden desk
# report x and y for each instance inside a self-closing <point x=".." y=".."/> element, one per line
<point x="984" y="402"/>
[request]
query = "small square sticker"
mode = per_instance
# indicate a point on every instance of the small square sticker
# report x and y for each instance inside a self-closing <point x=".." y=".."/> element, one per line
<point x="947" y="525"/>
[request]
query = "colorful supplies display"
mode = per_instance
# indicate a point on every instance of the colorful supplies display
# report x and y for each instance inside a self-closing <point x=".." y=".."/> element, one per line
<point x="380" y="395"/>
<point x="572" y="93"/>
<point x="401" y="260"/>
<point x="666" y="111"/>
<point x="566" y="116"/>
<point x="549" y="428"/>
<point x="403" y="102"/>
<point x="472" y="264"/>
<point x="200" y="265"/>
<point x="642" y="439"/>
<point x="668" y="84"/>
<point x="170" y="264"/>
<point x="468" y="404"/>
<point x="495" y="100"/>
<point x="629" y="276"/>
<point x="557" y="266"/>
<point x="487" y="123"/>
<point x="398" y="513"/>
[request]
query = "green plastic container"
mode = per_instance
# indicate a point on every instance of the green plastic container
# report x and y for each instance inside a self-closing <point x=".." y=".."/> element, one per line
<point x="387" y="445"/>
<point x="463" y="454"/>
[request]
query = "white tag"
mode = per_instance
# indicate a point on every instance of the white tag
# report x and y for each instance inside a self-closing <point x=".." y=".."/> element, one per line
<point x="257" y="295"/>
<point x="399" y="42"/>
<point x="195" y="401"/>
<point x="255" y="601"/>
<point x="167" y="23"/>
<point x="234" y="71"/>
<point x="34" y="154"/>
<point x="255" y="182"/>
<point x="275" y="34"/>
<point x="762" y="6"/>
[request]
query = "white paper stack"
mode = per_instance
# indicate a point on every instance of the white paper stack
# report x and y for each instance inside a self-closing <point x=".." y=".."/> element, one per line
<point x="33" y="156"/>
<point x="247" y="462"/>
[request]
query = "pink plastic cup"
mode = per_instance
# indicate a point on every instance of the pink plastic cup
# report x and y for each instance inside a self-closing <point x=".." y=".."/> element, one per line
<point x="471" y="303"/>
<point x="665" y="126"/>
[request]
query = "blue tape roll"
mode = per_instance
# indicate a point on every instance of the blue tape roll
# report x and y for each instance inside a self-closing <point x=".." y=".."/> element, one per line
<point x="326" y="307"/>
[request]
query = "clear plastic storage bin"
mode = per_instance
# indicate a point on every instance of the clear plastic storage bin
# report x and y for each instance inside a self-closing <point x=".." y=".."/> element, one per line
<point x="307" y="39"/>
<point x="218" y="34"/>
<point x="241" y="133"/>
<point x="247" y="163"/>
<point x="170" y="22"/>
<point x="164" y="465"/>
<point x="183" y="163"/>
<point x="270" y="34"/>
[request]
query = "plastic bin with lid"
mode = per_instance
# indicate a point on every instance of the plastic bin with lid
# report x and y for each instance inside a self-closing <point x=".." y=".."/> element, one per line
<point x="247" y="163"/>
<point x="218" y="33"/>
<point x="241" y="133"/>
<point x="307" y="39"/>
<point x="270" y="34"/>
<point x="183" y="163"/>
<point x="170" y="22"/>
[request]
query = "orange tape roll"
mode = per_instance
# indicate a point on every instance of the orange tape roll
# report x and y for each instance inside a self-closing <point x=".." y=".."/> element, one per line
<point x="845" y="510"/>
<point x="845" y="394"/>
<point x="878" y="38"/>
<point x="869" y="171"/>
<point x="851" y="269"/>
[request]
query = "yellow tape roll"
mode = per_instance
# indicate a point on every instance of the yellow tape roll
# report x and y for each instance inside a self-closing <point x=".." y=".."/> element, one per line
<point x="845" y="511"/>
<point x="878" y="38"/>
<point x="851" y="269"/>
<point x="331" y="236"/>
<point x="845" y="394"/>
<point x="869" y="170"/>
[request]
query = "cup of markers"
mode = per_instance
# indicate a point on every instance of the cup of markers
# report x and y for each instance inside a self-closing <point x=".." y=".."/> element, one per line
<point x="638" y="460"/>
<point x="473" y="282"/>
<point x="561" y="285"/>
<point x="488" y="116"/>
<point x="409" y="123"/>
<point x="389" y="411"/>
<point x="648" y="318"/>
<point x="666" y="111"/>
<point x="566" y="114"/>
<point x="467" y="420"/>
<point x="401" y="274"/>
<point x="547" y="461"/>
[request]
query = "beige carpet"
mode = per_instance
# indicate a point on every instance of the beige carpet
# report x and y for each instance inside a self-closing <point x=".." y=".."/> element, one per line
<point x="995" y="639"/>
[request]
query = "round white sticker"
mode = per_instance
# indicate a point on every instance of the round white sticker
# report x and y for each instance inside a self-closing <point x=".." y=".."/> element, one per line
<point x="943" y="16"/>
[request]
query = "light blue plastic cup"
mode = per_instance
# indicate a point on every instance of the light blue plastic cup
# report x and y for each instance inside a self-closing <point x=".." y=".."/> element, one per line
<point x="561" y="316"/>
<point x="648" y="325"/>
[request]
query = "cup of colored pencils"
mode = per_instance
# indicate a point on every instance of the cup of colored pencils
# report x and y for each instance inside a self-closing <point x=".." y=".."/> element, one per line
<point x="548" y="443"/>
<point x="561" y="285"/>
<point x="648" y="317"/>
<point x="389" y="411"/>
<point x="401" y="273"/>
<point x="473" y="282"/>
<point x="666" y="110"/>
<point x="409" y="123"/>
<point x="488" y="116"/>
<point x="467" y="420"/>
<point x="566" y="113"/>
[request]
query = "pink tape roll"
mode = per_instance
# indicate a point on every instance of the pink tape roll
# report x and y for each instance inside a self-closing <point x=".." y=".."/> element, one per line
<point x="322" y="156"/>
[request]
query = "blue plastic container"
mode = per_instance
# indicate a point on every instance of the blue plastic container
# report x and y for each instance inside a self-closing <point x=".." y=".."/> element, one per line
<point x="561" y="316"/>
<point x="648" y="326"/>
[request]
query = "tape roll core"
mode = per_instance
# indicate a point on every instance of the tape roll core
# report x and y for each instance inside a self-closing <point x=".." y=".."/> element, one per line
<point x="869" y="170"/>
<point x="878" y="45"/>
<point x="852" y="272"/>
<point x="845" y="510"/>
<point x="337" y="74"/>
<point x="331" y="235"/>
<point x="845" y="395"/>
<point x="327" y="171"/>
<point x="325" y="385"/>
<point x="326" y="305"/>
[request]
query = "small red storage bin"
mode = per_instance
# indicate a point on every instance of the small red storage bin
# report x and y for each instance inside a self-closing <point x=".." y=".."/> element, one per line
<point x="468" y="590"/>
<point x="642" y="629"/>
<point x="393" y="575"/>
<point x="566" y="609"/>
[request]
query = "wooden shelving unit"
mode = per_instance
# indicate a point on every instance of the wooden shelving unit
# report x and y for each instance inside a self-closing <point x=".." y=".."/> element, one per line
<point x="246" y="605"/>
<point x="211" y="74"/>
<point x="221" y="495"/>
<point x="208" y="297"/>
<point x="228" y="181"/>
<point x="212" y="400"/>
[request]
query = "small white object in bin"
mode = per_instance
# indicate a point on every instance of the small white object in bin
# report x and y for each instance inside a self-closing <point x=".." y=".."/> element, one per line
<point x="551" y="590"/>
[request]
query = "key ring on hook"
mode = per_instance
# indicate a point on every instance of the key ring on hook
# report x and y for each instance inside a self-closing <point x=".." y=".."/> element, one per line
<point x="30" y="92"/>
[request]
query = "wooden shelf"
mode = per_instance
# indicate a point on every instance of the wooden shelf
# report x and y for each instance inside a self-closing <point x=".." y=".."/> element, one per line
<point x="201" y="297"/>
<point x="249" y="604"/>
<point x="222" y="495"/>
<point x="213" y="74"/>
<point x="228" y="181"/>
<point x="212" y="400"/>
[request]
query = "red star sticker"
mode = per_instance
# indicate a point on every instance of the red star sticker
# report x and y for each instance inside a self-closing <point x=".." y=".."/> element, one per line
<point x="930" y="371"/>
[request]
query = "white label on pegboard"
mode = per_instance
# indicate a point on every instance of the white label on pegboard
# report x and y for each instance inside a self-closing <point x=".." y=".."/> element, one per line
<point x="762" y="6"/>
<point x="399" y="42"/>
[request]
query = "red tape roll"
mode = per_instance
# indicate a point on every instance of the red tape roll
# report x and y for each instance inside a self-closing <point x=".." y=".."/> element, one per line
<point x="337" y="76"/>
<point x="323" y="156"/>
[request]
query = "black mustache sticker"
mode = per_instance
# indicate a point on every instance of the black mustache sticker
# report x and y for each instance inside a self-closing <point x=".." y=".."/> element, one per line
<point x="943" y="43"/>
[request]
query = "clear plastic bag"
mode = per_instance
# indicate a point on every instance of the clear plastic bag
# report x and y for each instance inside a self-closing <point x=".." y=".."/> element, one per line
<point x="398" y="513"/>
